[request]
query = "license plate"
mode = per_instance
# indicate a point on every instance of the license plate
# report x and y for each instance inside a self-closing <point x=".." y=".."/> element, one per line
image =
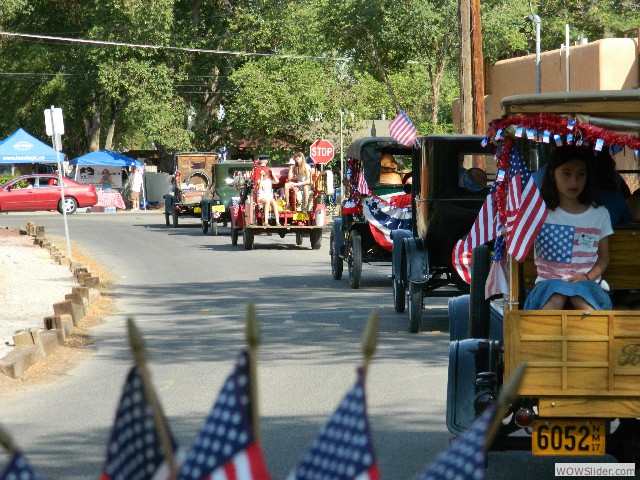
<point x="217" y="208"/>
<point x="197" y="210"/>
<point x="568" y="437"/>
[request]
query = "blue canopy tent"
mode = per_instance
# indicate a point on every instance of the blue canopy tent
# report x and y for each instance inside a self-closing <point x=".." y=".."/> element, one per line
<point x="22" y="147"/>
<point x="105" y="158"/>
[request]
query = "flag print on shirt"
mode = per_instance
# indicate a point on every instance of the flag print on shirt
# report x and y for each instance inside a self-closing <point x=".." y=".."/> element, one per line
<point x="564" y="250"/>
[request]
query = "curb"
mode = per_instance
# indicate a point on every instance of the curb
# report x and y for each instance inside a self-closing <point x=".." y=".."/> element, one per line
<point x="33" y="345"/>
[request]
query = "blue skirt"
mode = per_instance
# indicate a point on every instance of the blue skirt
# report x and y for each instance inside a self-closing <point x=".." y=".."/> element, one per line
<point x="592" y="292"/>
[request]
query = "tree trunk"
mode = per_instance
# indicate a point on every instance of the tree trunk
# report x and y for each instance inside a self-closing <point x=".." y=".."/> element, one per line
<point x="111" y="129"/>
<point x="92" y="127"/>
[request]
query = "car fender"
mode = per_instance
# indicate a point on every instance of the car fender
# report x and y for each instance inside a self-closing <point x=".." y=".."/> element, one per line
<point x="468" y="358"/>
<point x="169" y="202"/>
<point x="458" y="309"/>
<point x="417" y="257"/>
<point x="338" y="235"/>
<point x="398" y="253"/>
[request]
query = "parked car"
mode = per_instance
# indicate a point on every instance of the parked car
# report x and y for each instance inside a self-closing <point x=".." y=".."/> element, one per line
<point x="225" y="194"/>
<point x="30" y="193"/>
<point x="580" y="394"/>
<point x="362" y="233"/>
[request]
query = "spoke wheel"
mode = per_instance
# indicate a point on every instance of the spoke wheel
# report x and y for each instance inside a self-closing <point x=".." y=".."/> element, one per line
<point x="399" y="295"/>
<point x="234" y="235"/>
<point x="298" y="239"/>
<point x="247" y="239"/>
<point x="337" y="263"/>
<point x="213" y="225"/>
<point x="205" y="226"/>
<point x="316" y="238"/>
<point x="354" y="260"/>
<point x="175" y="218"/>
<point x="415" y="307"/>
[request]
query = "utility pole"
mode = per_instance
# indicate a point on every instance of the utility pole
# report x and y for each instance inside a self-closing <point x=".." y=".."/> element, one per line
<point x="477" y="68"/>
<point x="466" y="93"/>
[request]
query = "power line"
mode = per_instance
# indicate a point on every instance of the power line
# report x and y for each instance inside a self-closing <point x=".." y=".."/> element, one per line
<point x="164" y="47"/>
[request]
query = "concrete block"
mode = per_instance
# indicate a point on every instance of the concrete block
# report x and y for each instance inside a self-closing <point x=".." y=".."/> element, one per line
<point x="30" y="337"/>
<point x="68" y="308"/>
<point x="62" y="323"/>
<point x="29" y="226"/>
<point x="81" y="275"/>
<point x="64" y="261"/>
<point x="50" y="340"/>
<point x="77" y="267"/>
<point x="84" y="293"/>
<point x="39" y="231"/>
<point x="91" y="282"/>
<point x="18" y="360"/>
<point x="76" y="298"/>
<point x="93" y="294"/>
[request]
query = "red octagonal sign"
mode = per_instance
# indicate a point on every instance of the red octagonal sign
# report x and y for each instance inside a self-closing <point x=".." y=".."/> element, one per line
<point x="321" y="151"/>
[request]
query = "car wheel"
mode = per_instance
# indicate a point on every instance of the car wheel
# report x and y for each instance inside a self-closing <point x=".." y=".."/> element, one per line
<point x="213" y="225"/>
<point x="166" y="218"/>
<point x="354" y="259"/>
<point x="70" y="205"/>
<point x="234" y="235"/>
<point x="316" y="238"/>
<point x="298" y="239"/>
<point x="175" y="218"/>
<point x="415" y="307"/>
<point x="336" y="260"/>
<point x="205" y="226"/>
<point x="247" y="239"/>
<point x="478" y="306"/>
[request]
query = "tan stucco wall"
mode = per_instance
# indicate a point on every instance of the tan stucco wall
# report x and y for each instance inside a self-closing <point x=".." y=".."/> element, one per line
<point x="607" y="64"/>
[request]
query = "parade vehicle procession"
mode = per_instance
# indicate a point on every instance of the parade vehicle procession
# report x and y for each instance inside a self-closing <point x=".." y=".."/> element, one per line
<point x="580" y="393"/>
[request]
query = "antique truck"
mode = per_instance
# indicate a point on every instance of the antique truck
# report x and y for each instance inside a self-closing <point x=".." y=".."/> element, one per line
<point x="191" y="185"/>
<point x="248" y="218"/>
<point x="377" y="205"/>
<point x="225" y="195"/>
<point x="451" y="178"/>
<point x="580" y="394"/>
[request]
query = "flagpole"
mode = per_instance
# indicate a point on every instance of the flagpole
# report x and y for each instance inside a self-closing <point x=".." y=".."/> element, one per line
<point x="252" y="333"/>
<point x="159" y="419"/>
<point x="370" y="340"/>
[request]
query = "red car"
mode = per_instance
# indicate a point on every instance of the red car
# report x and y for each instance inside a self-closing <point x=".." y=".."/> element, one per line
<point x="29" y="193"/>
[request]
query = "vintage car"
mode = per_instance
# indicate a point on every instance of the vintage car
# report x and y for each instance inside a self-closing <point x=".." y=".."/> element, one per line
<point x="451" y="178"/>
<point x="249" y="220"/>
<point x="378" y="204"/>
<point x="225" y="195"/>
<point x="191" y="185"/>
<point x="580" y="394"/>
<point x="30" y="193"/>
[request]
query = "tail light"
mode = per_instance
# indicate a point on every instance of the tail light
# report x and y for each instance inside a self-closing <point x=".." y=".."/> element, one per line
<point x="524" y="417"/>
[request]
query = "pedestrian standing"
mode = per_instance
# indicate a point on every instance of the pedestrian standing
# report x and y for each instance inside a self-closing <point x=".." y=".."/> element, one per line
<point x="136" y="187"/>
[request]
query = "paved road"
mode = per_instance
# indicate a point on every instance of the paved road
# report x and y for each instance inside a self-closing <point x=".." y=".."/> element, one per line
<point x="188" y="293"/>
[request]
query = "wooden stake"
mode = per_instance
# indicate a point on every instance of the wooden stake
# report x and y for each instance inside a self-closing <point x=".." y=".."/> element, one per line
<point x="252" y="332"/>
<point x="159" y="419"/>
<point x="507" y="395"/>
<point x="370" y="340"/>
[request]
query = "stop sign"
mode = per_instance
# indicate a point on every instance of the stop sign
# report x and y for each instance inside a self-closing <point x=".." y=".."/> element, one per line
<point x="321" y="151"/>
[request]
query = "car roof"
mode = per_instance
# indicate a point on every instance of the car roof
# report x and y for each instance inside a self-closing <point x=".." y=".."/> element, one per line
<point x="355" y="149"/>
<point x="614" y="109"/>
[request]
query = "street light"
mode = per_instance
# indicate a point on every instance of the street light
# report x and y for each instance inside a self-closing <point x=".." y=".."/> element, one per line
<point x="535" y="20"/>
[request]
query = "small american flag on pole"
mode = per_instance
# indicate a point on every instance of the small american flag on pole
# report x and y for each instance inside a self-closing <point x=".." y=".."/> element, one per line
<point x="134" y="449"/>
<point x="483" y="230"/>
<point x="343" y="449"/>
<point x="526" y="210"/>
<point x="225" y="448"/>
<point x="363" y="186"/>
<point x="19" y="469"/>
<point x="402" y="130"/>
<point x="465" y="459"/>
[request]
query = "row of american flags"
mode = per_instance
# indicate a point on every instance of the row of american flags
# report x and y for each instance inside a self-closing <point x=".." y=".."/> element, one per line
<point x="226" y="448"/>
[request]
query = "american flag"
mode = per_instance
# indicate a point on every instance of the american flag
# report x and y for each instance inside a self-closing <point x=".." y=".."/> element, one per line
<point x="225" y="448"/>
<point x="483" y="230"/>
<point x="363" y="187"/>
<point x="384" y="217"/>
<point x="465" y="459"/>
<point x="19" y="469"/>
<point x="134" y="449"/>
<point x="497" y="279"/>
<point x="402" y="130"/>
<point x="343" y="449"/>
<point x="526" y="210"/>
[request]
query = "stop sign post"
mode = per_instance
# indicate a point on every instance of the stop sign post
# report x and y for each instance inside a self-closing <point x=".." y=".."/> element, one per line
<point x="321" y="151"/>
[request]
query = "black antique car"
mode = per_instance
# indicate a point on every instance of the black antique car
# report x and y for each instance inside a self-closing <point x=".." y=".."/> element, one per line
<point x="450" y="183"/>
<point x="377" y="204"/>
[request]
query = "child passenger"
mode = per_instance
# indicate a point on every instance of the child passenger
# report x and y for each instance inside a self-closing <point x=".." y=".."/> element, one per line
<point x="571" y="251"/>
<point x="265" y="195"/>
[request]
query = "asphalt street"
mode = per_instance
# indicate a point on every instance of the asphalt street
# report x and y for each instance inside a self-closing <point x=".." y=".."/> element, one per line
<point x="188" y="294"/>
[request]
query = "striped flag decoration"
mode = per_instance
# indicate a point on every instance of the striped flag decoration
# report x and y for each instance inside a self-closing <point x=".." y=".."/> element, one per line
<point x="497" y="282"/>
<point x="402" y="130"/>
<point x="19" y="469"/>
<point x="483" y="230"/>
<point x="363" y="186"/>
<point x="526" y="210"/>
